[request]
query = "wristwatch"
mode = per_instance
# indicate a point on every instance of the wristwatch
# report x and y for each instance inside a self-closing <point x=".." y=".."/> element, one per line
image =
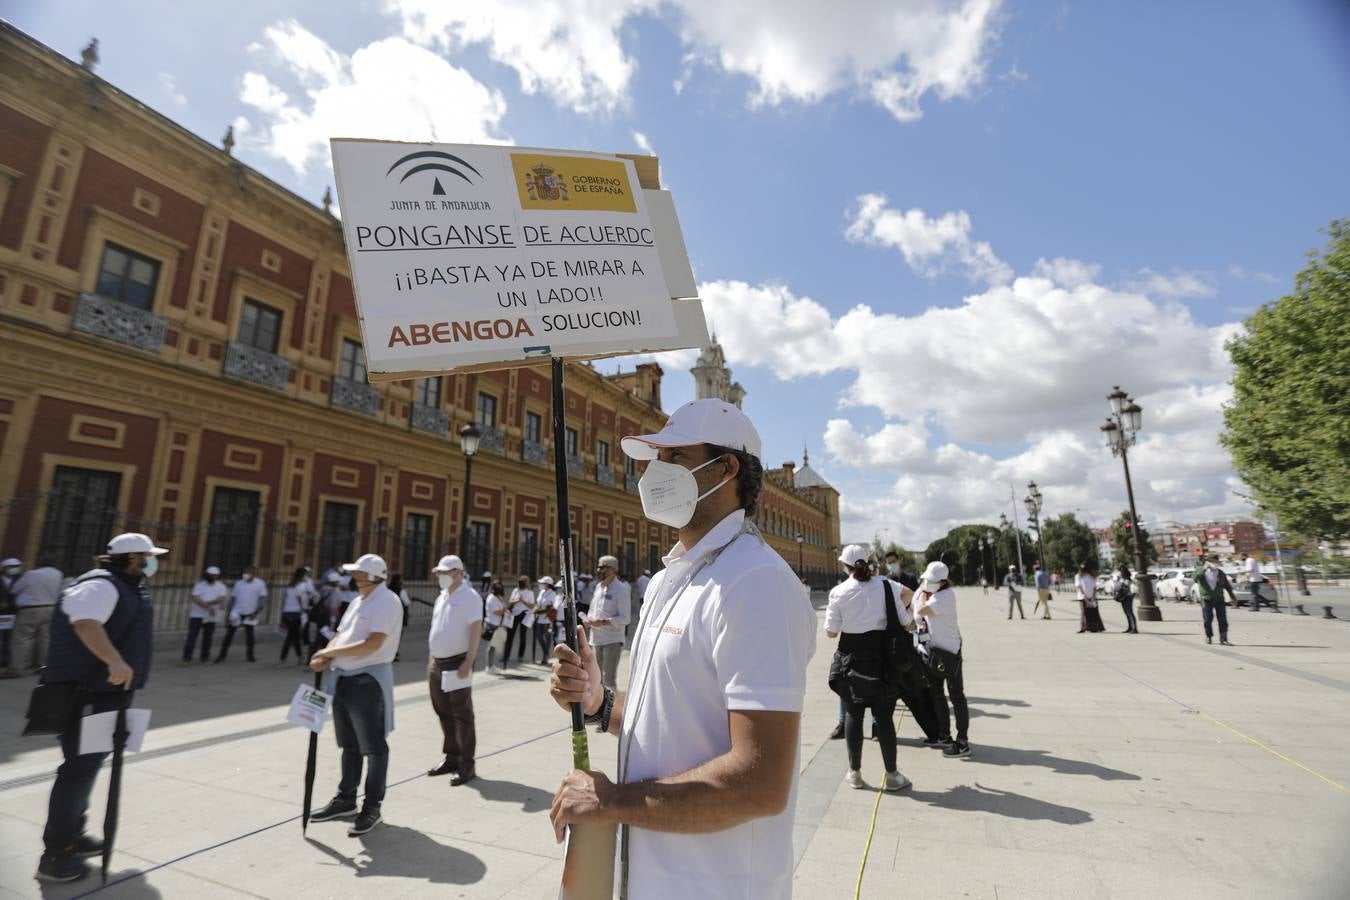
<point x="601" y="715"/>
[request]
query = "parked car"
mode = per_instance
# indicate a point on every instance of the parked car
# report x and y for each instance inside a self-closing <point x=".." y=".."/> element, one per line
<point x="1174" y="584"/>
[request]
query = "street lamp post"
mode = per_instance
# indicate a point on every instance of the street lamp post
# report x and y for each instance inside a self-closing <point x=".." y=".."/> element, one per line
<point x="469" y="436"/>
<point x="801" y="564"/>
<point x="993" y="556"/>
<point x="1119" y="431"/>
<point x="1034" y="503"/>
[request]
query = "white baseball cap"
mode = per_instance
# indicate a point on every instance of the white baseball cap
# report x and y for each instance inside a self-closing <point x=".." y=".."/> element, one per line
<point x="487" y="574"/>
<point x="936" y="571"/>
<point x="369" y="563"/>
<point x="1012" y="568"/>
<point x="449" y="563"/>
<point x="10" y="562"/>
<point x="611" y="561"/>
<point x="698" y="422"/>
<point x="134" y="542"/>
<point x="547" y="579"/>
<point x="333" y="578"/>
<point x="853" y="554"/>
<point x="213" y="570"/>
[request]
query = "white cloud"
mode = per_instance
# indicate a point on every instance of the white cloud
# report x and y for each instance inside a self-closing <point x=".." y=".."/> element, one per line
<point x="643" y="143"/>
<point x="790" y="50"/>
<point x="1174" y="286"/>
<point x="1243" y="273"/>
<point x="169" y="86"/>
<point x="388" y="89"/>
<point x="1068" y="273"/>
<point x="930" y="246"/>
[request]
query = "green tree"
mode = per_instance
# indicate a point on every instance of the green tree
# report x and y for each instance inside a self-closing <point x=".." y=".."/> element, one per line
<point x="1124" y="543"/>
<point x="1288" y="427"/>
<point x="1069" y="543"/>
<point x="967" y="561"/>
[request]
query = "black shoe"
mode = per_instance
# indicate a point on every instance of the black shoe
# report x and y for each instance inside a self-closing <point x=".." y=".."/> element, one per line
<point x="958" y="748"/>
<point x="87" y="846"/>
<point x="368" y="819"/>
<point x="463" y="778"/>
<point x="337" y="808"/>
<point x="1209" y="640"/>
<point x="1224" y="641"/>
<point x="943" y="741"/>
<point x="59" y="867"/>
<point x="444" y="768"/>
<point x="838" y="732"/>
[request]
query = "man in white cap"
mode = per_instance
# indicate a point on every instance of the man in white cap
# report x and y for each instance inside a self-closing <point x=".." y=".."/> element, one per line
<point x="247" y="602"/>
<point x="1013" y="582"/>
<point x="103" y="640"/>
<point x="359" y="660"/>
<point x="608" y="617"/>
<point x="205" y="602"/>
<point x="708" y="730"/>
<point x="548" y="615"/>
<point x="456" y="629"/>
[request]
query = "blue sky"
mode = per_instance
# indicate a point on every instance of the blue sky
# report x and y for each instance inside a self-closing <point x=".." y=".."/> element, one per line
<point x="1176" y="160"/>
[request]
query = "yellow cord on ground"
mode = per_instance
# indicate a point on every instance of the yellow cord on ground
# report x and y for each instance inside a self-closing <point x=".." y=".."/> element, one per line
<point x="857" y="890"/>
<point x="1274" y="752"/>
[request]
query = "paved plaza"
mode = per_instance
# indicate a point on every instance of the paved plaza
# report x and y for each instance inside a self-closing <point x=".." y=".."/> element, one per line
<point x="1104" y="765"/>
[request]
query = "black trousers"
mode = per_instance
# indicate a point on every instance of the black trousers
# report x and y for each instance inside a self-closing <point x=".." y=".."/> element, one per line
<point x="69" y="802"/>
<point x="1216" y="609"/>
<point x="518" y="635"/>
<point x="206" y="629"/>
<point x="914" y="694"/>
<point x="883" y="715"/>
<point x="945" y="668"/>
<point x="229" y="638"/>
<point x="291" y="621"/>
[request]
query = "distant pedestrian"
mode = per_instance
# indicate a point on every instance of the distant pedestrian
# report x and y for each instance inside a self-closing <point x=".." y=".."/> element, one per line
<point x="404" y="598"/>
<point x="295" y="604"/>
<point x="1089" y="619"/>
<point x="248" y="602"/>
<point x="1013" y="582"/>
<point x="522" y="618"/>
<point x="1054" y="581"/>
<point x="1042" y="583"/>
<point x="610" y="610"/>
<point x="1212" y="583"/>
<point x="36" y="594"/>
<point x="103" y="633"/>
<point x="452" y="646"/>
<point x="497" y="615"/>
<point x="939" y="641"/>
<point x="859" y="673"/>
<point x="10" y="571"/>
<point x="1124" y="595"/>
<point x="205" y="602"/>
<point x="545" y="620"/>
<point x="984" y="585"/>
<point x="1251" y="571"/>
<point x="361" y="657"/>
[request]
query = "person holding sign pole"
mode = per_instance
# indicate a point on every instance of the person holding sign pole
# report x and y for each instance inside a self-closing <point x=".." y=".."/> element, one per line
<point x="102" y="640"/>
<point x="359" y="660"/>
<point x="456" y="629"/>
<point x="708" y="729"/>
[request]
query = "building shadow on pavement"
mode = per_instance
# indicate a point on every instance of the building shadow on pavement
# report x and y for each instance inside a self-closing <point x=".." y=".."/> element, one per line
<point x="394" y="851"/>
<point x="966" y="798"/>
<point x="531" y="799"/>
<point x="1013" y="756"/>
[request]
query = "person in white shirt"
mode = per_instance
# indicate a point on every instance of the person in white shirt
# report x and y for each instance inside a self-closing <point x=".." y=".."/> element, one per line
<point x="546" y="606"/>
<point x="520" y="605"/>
<point x="208" y="596"/>
<point x="939" y="641"/>
<point x="248" y="600"/>
<point x="456" y="629"/>
<point x="361" y="680"/>
<point x="294" y="605"/>
<point x="709" y="728"/>
<point x="1085" y="583"/>
<point x="858" y="617"/>
<point x="608" y="618"/>
<point x="496" y="615"/>
<point x="1251" y="570"/>
<point x="10" y="573"/>
<point x="36" y="594"/>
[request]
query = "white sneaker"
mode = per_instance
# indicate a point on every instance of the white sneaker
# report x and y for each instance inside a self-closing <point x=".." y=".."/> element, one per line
<point x="896" y="781"/>
<point x="854" y="779"/>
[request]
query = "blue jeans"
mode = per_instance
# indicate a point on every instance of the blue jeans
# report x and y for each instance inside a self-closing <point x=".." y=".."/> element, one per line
<point x="1128" y="606"/>
<point x="358" y="723"/>
<point x="69" y="801"/>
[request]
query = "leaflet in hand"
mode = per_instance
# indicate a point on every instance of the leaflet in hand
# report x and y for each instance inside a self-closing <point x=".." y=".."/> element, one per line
<point x="96" y="731"/>
<point x="450" y="680"/>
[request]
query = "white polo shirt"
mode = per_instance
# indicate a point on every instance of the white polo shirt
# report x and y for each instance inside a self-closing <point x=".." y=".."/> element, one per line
<point x="857" y="607"/>
<point x="1250" y="565"/>
<point x="496" y="607"/>
<point x="738" y="637"/>
<point x="451" y="617"/>
<point x="249" y="597"/>
<point x="207" y="592"/>
<point x="93" y="600"/>
<point x="941" y="624"/>
<point x="610" y="601"/>
<point x="379" y="611"/>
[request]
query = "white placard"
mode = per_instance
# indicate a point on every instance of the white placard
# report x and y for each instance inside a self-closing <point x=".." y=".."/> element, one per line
<point x="327" y="633"/>
<point x="96" y="731"/>
<point x="7" y="623"/>
<point x="309" y="708"/>
<point x="450" y="680"/>
<point x="468" y="255"/>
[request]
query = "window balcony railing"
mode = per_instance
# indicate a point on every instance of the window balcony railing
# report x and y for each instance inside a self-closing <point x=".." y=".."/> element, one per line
<point x="604" y="475"/>
<point x="430" y="419"/>
<point x="257" y="366"/>
<point x="119" y="322"/>
<point x="575" y="467"/>
<point x="354" y="395"/>
<point x="630" y="483"/>
<point x="492" y="439"/>
<point x="534" y="452"/>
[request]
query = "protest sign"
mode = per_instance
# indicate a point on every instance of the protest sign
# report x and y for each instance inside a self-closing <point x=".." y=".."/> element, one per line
<point x="309" y="708"/>
<point x="484" y="256"/>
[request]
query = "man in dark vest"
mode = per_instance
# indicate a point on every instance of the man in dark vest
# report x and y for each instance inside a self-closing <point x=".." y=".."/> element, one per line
<point x="1212" y="582"/>
<point x="101" y="639"/>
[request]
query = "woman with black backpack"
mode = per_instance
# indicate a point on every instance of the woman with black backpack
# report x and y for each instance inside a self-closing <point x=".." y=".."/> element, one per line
<point x="1125" y="597"/>
<point x="866" y="614"/>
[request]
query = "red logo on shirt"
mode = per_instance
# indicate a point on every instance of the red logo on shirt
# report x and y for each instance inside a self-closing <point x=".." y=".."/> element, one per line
<point x="673" y="630"/>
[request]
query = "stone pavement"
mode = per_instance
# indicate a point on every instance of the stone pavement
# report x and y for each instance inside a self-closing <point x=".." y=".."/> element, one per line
<point x="1104" y="765"/>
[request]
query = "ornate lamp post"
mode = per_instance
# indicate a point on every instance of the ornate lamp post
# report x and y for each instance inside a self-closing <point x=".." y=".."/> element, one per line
<point x="1119" y="432"/>
<point x="1034" y="503"/>
<point x="989" y="537"/>
<point x="801" y="564"/>
<point x="469" y="436"/>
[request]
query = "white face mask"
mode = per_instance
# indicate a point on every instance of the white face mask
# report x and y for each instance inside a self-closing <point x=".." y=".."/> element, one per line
<point x="152" y="566"/>
<point x="932" y="586"/>
<point x="445" y="581"/>
<point x="670" y="494"/>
